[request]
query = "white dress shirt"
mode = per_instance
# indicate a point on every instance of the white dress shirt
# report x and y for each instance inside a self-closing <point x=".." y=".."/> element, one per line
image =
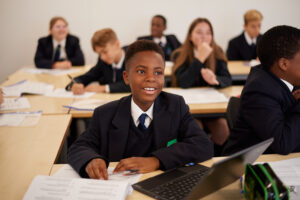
<point x="290" y="86"/>
<point x="163" y="40"/>
<point x="136" y="113"/>
<point x="63" y="54"/>
<point x="249" y="40"/>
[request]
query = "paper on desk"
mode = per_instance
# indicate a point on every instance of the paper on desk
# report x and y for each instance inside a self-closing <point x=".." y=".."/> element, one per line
<point x="20" y="118"/>
<point x="55" y="72"/>
<point x="15" y="103"/>
<point x="25" y="86"/>
<point x="68" y="172"/>
<point x="200" y="95"/>
<point x="48" y="187"/>
<point x="62" y="93"/>
<point x="86" y="104"/>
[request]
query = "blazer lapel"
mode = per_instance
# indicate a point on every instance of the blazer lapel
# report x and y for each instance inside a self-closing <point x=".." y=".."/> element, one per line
<point x="118" y="134"/>
<point x="161" y="125"/>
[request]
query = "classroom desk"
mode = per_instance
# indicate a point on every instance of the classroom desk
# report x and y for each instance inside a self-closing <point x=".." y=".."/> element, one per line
<point x="28" y="151"/>
<point x="195" y="109"/>
<point x="239" y="70"/>
<point x="232" y="191"/>
<point x="59" y="81"/>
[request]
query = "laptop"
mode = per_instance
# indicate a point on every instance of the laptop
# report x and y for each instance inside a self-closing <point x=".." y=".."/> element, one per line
<point x="197" y="181"/>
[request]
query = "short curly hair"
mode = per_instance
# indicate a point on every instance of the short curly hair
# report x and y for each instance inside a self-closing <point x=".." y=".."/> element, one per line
<point x="142" y="45"/>
<point x="278" y="42"/>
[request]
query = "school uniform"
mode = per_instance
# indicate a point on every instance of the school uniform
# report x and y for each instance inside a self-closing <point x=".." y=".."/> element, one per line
<point x="167" y="42"/>
<point x="105" y="74"/>
<point x="112" y="135"/>
<point x="189" y="74"/>
<point x="268" y="109"/>
<point x="242" y="47"/>
<point x="44" y="56"/>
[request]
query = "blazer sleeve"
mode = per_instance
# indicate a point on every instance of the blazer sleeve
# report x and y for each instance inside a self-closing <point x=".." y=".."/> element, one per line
<point x="264" y="115"/>
<point x="193" y="144"/>
<point x="77" y="57"/>
<point x="119" y="86"/>
<point x="232" y="51"/>
<point x="86" y="147"/>
<point x="40" y="59"/>
<point x="222" y="74"/>
<point x="188" y="74"/>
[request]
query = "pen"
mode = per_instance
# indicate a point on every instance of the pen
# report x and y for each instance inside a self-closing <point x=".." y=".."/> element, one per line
<point x="72" y="79"/>
<point x="241" y="185"/>
<point x="131" y="172"/>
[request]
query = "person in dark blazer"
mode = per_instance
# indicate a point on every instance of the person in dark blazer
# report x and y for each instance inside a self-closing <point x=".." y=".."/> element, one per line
<point x="145" y="131"/>
<point x="108" y="71"/>
<point x="201" y="62"/>
<point x="270" y="105"/>
<point x="59" y="50"/>
<point x="243" y="47"/>
<point x="167" y="42"/>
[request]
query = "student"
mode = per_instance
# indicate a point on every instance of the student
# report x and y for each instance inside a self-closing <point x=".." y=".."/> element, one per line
<point x="168" y="42"/>
<point x="1" y="96"/>
<point x="166" y="138"/>
<point x="269" y="105"/>
<point x="243" y="47"/>
<point x="109" y="68"/>
<point x="201" y="62"/>
<point x="59" y="50"/>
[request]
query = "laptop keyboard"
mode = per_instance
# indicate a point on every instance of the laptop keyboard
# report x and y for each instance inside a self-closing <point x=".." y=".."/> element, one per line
<point x="180" y="187"/>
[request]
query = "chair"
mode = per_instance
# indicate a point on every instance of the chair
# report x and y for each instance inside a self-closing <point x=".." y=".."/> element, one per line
<point x="232" y="111"/>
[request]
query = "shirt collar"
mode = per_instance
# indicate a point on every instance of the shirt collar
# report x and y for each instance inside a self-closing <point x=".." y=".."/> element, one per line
<point x="290" y="86"/>
<point x="119" y="64"/>
<point x="136" y="112"/>
<point x="163" y="40"/>
<point x="248" y="38"/>
<point x="62" y="43"/>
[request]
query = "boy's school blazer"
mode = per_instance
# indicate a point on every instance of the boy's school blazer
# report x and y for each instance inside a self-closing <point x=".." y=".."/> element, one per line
<point x="107" y="134"/>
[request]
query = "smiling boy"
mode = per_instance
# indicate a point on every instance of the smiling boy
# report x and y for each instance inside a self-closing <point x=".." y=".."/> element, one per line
<point x="145" y="131"/>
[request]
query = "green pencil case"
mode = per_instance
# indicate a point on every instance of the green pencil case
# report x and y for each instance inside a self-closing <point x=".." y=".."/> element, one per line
<point x="261" y="183"/>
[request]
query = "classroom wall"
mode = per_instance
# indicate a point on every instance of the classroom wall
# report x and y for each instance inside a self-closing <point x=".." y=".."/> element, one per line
<point x="23" y="22"/>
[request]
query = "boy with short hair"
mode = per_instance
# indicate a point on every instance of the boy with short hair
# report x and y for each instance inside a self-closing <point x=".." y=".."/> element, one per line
<point x="270" y="104"/>
<point x="167" y="42"/>
<point x="109" y="68"/>
<point x="145" y="131"/>
<point x="243" y="47"/>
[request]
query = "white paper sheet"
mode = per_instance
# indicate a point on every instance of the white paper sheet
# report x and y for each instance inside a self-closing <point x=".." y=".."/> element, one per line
<point x="15" y="103"/>
<point x="55" y="72"/>
<point x="62" y="93"/>
<point x="87" y="104"/>
<point x="48" y="187"/>
<point x="25" y="86"/>
<point x="20" y="118"/>
<point x="200" y="95"/>
<point x="67" y="171"/>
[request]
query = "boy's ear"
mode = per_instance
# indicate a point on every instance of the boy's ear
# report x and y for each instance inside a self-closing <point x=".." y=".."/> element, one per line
<point x="125" y="77"/>
<point x="283" y="64"/>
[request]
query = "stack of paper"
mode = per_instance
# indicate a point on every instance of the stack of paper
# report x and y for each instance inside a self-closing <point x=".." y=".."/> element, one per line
<point x="55" y="72"/>
<point x="67" y="184"/>
<point x="19" y="88"/>
<point x="87" y="104"/>
<point x="14" y="103"/>
<point x="20" y="118"/>
<point x="62" y="93"/>
<point x="47" y="187"/>
<point x="200" y="95"/>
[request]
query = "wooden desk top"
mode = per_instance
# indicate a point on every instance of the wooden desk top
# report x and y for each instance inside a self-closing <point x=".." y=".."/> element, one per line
<point x="29" y="151"/>
<point x="49" y="105"/>
<point x="211" y="108"/>
<point x="232" y="191"/>
<point x="59" y="81"/>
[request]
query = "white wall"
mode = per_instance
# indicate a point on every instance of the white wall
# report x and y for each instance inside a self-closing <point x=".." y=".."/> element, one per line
<point x="24" y="21"/>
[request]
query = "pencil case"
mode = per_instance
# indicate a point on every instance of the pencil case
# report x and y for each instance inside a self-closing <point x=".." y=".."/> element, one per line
<point x="262" y="183"/>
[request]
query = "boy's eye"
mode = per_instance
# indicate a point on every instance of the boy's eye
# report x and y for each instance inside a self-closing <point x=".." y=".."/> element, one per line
<point x="158" y="73"/>
<point x="140" y="71"/>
